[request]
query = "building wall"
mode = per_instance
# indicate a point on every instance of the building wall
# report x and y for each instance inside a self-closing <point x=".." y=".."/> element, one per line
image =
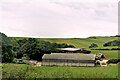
<point x="67" y="63"/>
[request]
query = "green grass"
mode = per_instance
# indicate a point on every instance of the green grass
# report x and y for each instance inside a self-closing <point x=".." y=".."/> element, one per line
<point x="110" y="47"/>
<point x="79" y="42"/>
<point x="108" y="53"/>
<point x="29" y="71"/>
<point x="82" y="42"/>
<point x="0" y="65"/>
<point x="85" y="43"/>
<point x="0" y="71"/>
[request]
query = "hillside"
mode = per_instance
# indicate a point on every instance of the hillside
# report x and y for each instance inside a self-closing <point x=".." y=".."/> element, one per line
<point x="79" y="42"/>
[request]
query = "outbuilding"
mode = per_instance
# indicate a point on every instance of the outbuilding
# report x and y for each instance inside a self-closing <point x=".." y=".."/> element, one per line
<point x="63" y="59"/>
<point x="103" y="62"/>
<point x="100" y="55"/>
<point x="75" y="50"/>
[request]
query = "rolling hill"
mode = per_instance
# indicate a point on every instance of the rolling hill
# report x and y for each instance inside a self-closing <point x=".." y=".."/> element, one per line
<point x="79" y="42"/>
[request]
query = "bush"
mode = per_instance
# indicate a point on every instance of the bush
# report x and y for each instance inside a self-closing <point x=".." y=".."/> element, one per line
<point x="14" y="60"/>
<point x="100" y="49"/>
<point x="114" y="61"/>
<point x="112" y="43"/>
<point x="93" y="45"/>
<point x="25" y="57"/>
<point x="92" y="37"/>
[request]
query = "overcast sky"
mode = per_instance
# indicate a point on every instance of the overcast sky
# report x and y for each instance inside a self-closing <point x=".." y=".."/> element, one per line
<point x="59" y="18"/>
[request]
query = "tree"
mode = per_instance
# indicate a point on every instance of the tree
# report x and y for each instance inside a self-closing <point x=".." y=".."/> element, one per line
<point x="6" y="48"/>
<point x="7" y="55"/>
<point x="112" y="43"/>
<point x="36" y="49"/>
<point x="27" y="48"/>
<point x="93" y="45"/>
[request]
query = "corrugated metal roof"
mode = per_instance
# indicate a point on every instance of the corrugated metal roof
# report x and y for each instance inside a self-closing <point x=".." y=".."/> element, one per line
<point x="75" y="50"/>
<point x="70" y="49"/>
<point x="69" y="56"/>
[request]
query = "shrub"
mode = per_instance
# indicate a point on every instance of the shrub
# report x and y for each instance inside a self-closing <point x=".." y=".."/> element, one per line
<point x="112" y="43"/>
<point x="93" y="45"/>
<point x="114" y="61"/>
<point x="92" y="37"/>
<point x="14" y="60"/>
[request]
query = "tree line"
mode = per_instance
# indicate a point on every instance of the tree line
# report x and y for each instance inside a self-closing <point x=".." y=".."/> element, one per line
<point x="27" y="48"/>
<point x="112" y="43"/>
<point x="108" y="44"/>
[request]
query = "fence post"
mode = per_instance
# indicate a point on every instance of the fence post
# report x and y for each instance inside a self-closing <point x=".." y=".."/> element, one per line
<point x="64" y="62"/>
<point x="71" y="62"/>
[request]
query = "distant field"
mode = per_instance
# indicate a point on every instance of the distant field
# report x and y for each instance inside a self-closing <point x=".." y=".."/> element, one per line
<point x="29" y="71"/>
<point x="108" y="53"/>
<point x="79" y="42"/>
<point x="85" y="42"/>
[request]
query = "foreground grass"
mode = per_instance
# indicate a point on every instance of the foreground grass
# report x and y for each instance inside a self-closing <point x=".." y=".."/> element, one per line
<point x="29" y="71"/>
<point x="0" y="71"/>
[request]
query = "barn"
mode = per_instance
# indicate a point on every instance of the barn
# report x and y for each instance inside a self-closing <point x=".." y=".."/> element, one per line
<point x="63" y="59"/>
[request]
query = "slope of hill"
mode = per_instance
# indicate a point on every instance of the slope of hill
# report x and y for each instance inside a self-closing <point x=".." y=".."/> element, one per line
<point x="80" y="42"/>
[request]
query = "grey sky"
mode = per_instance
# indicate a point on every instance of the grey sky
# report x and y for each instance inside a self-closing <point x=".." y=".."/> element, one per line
<point x="58" y="18"/>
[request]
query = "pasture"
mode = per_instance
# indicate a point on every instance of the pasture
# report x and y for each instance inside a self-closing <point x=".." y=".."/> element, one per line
<point x="79" y="42"/>
<point x="29" y="71"/>
<point x="107" y="53"/>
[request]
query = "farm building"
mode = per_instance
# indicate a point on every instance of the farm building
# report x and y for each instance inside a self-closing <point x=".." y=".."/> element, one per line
<point x="100" y="55"/>
<point x="103" y="62"/>
<point x="75" y="50"/>
<point x="63" y="59"/>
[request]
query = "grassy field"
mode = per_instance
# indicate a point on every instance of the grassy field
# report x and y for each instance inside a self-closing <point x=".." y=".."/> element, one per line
<point x="79" y="42"/>
<point x="107" y="53"/>
<point x="85" y="43"/>
<point x="0" y="71"/>
<point x="29" y="71"/>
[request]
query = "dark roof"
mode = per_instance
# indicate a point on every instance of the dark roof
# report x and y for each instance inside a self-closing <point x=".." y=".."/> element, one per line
<point x="69" y="56"/>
